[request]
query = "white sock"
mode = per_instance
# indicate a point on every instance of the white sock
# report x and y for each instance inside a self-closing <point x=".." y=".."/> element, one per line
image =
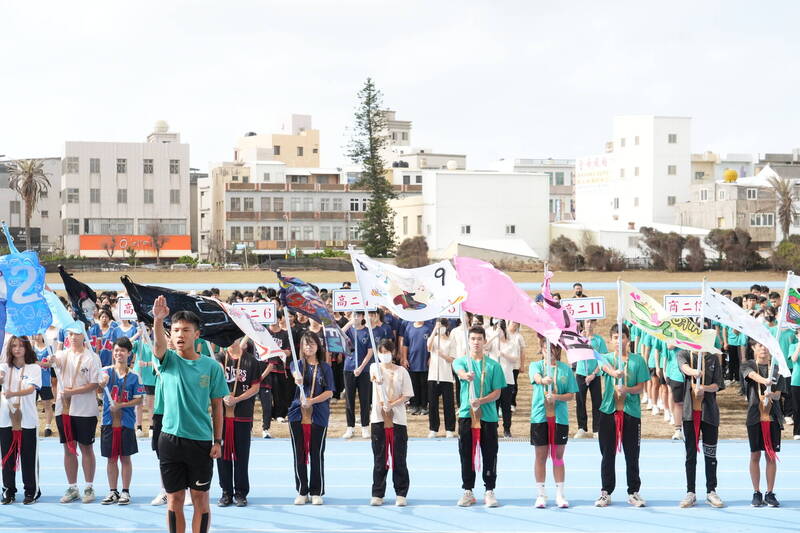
<point x="560" y="490"/>
<point x="88" y="485"/>
<point x="540" y="488"/>
<point x="74" y="486"/>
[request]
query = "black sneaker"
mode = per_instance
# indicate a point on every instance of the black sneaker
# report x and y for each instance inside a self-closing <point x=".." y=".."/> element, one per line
<point x="30" y="499"/>
<point x="112" y="498"/>
<point x="224" y="500"/>
<point x="48" y="432"/>
<point x="758" y="500"/>
<point x="8" y="498"/>
<point x="240" y="500"/>
<point x="424" y="412"/>
<point x="506" y="434"/>
<point x="416" y="411"/>
<point x="771" y="500"/>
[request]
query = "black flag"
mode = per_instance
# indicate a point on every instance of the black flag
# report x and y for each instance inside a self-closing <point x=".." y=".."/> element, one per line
<point x="215" y="324"/>
<point x="82" y="298"/>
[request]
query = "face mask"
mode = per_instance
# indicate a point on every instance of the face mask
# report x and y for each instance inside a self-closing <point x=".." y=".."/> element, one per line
<point x="578" y="293"/>
<point x="385" y="357"/>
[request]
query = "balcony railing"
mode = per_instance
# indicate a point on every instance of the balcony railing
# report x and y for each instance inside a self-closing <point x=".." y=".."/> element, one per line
<point x="293" y="215"/>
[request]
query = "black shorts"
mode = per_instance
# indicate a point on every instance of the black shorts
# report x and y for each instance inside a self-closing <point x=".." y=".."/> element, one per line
<point x="678" y="389"/>
<point x="540" y="435"/>
<point x="129" y="444"/>
<point x="185" y="463"/>
<point x="652" y="372"/>
<point x="83" y="429"/>
<point x="45" y="393"/>
<point x="757" y="440"/>
<point x="53" y="373"/>
<point x="155" y="431"/>
<point x="150" y="390"/>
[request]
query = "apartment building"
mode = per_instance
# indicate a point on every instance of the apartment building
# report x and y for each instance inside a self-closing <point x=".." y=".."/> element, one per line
<point x="45" y="221"/>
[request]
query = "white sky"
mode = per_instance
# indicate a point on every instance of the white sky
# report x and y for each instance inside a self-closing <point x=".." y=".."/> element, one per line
<point x="490" y="79"/>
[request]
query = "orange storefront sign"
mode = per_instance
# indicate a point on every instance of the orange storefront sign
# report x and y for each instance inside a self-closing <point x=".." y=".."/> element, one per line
<point x="136" y="242"/>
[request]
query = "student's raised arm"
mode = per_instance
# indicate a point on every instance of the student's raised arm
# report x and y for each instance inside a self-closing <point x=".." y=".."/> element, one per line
<point x="160" y="312"/>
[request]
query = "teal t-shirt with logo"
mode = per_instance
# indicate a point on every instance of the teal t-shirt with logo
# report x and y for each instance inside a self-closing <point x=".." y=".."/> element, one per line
<point x="187" y="388"/>
<point x="585" y="367"/>
<point x="635" y="372"/>
<point x="671" y="370"/>
<point x="564" y="384"/>
<point x="494" y="380"/>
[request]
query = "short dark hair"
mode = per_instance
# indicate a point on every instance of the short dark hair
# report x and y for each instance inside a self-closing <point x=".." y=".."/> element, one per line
<point x="124" y="342"/>
<point x="386" y="344"/>
<point x="755" y="288"/>
<point x="750" y="296"/>
<point x="726" y="292"/>
<point x="105" y="311"/>
<point x="478" y="330"/>
<point x="186" y="316"/>
<point x="615" y="329"/>
<point x="774" y="294"/>
<point x="577" y="284"/>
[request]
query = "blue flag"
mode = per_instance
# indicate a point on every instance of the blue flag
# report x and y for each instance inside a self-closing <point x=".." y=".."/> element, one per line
<point x="26" y="309"/>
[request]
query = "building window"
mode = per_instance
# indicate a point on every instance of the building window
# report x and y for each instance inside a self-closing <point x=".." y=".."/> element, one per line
<point x="672" y="138"/>
<point x="94" y="196"/>
<point x="616" y="203"/>
<point x="511" y="229"/>
<point x="122" y="196"/>
<point x="266" y="204"/>
<point x="622" y="173"/>
<point x="174" y="196"/>
<point x="308" y="233"/>
<point x="247" y="234"/>
<point x="122" y="166"/>
<point x="266" y="176"/>
<point x="337" y="204"/>
<point x="73" y="226"/>
<point x="266" y="233"/>
<point x="71" y="166"/>
<point x="670" y="200"/>
<point x="45" y="214"/>
<point x="752" y="194"/>
<point x="466" y="229"/>
<point x="277" y="233"/>
<point x="699" y="175"/>
<point x="169" y="226"/>
<point x="355" y="233"/>
<point x="338" y="233"/>
<point x="248" y="204"/>
<point x="148" y="166"/>
<point x="406" y="180"/>
<point x="672" y="170"/>
<point x="315" y="150"/>
<point x="419" y="179"/>
<point x="721" y="195"/>
<point x="404" y="135"/>
<point x="636" y="140"/>
<point x="94" y="165"/>
<point x="762" y="220"/>
<point x="635" y="171"/>
<point x="294" y="233"/>
<point x="559" y="178"/>
<point x="108" y="226"/>
<point x="14" y="207"/>
<point x="364" y="204"/>
<point x="308" y="204"/>
<point x="622" y="142"/>
<point x="295" y="204"/>
<point x="299" y="151"/>
<point x="276" y="150"/>
<point x="174" y="166"/>
<point x="703" y="195"/>
<point x="73" y="196"/>
<point x="324" y="233"/>
<point x="419" y="224"/>
<point x="236" y="204"/>
<point x="354" y="204"/>
<point x="324" y="204"/>
<point x="277" y="205"/>
<point x="148" y="196"/>
<point x="43" y="194"/>
<point x="405" y="225"/>
<point x="550" y="178"/>
<point x="236" y="233"/>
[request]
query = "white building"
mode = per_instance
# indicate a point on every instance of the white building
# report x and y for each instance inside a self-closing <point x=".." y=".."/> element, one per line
<point x="123" y="196"/>
<point x="489" y="210"/>
<point x="45" y="221"/>
<point x="644" y="172"/>
<point x="560" y="174"/>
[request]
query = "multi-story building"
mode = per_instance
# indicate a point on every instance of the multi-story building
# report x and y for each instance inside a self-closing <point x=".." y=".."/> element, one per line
<point x="785" y="165"/>
<point x="123" y="196"/>
<point x="561" y="176"/>
<point x="45" y="221"/>
<point x="296" y="145"/>
<point x="709" y="167"/>
<point x="195" y="177"/>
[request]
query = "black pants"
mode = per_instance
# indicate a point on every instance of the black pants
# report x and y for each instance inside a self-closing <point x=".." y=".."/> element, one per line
<point x="282" y="394"/>
<point x="514" y="389"/>
<point x="400" y="478"/>
<point x="787" y="403"/>
<point x="580" y="402"/>
<point x="360" y="383"/>
<point x="445" y="390"/>
<point x="709" y="435"/>
<point x="457" y="387"/>
<point x="29" y="462"/>
<point x="265" y="397"/>
<point x="733" y="363"/>
<point x="419" y="381"/>
<point x="233" y="475"/>
<point x="316" y="459"/>
<point x="631" y="440"/>
<point x="504" y="406"/>
<point x="488" y="450"/>
<point x="338" y="376"/>
<point x="796" y="410"/>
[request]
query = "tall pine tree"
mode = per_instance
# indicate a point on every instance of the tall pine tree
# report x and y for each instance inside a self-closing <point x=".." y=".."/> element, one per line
<point x="369" y="137"/>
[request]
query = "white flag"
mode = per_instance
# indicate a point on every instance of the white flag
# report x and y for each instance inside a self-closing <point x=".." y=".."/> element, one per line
<point x="720" y="309"/>
<point x="265" y="345"/>
<point x="410" y="293"/>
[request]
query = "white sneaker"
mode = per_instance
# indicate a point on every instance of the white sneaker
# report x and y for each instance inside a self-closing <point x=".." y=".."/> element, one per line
<point x="644" y="399"/>
<point x="70" y="495"/>
<point x="376" y="502"/>
<point x="280" y="420"/>
<point x="489" y="499"/>
<point x="400" y="501"/>
<point x="788" y="420"/>
<point x="667" y="416"/>
<point x="713" y="500"/>
<point x="655" y="411"/>
<point x="660" y="404"/>
<point x="636" y="500"/>
<point x="450" y="435"/>
<point x="161" y="499"/>
<point x="580" y="434"/>
<point x="796" y="437"/>
<point x="364" y="432"/>
<point x="604" y="500"/>
<point x="513" y="408"/>
<point x="431" y="434"/>
<point x="265" y="434"/>
<point x="316" y="500"/>
<point x="348" y="433"/>
<point x="467" y="499"/>
<point x="88" y="495"/>
<point x="671" y="419"/>
<point x="688" y="501"/>
<point x="541" y="502"/>
<point x="139" y="433"/>
<point x="300" y="499"/>
<point x="561" y="502"/>
<point x="678" y="435"/>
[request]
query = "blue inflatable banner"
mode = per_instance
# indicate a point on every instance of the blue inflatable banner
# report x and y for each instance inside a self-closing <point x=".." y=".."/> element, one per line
<point x="26" y="309"/>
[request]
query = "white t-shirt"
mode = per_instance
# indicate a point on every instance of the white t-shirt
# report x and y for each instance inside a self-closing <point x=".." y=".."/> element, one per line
<point x="66" y="363"/>
<point x="458" y="344"/>
<point x="398" y="385"/>
<point x="439" y="368"/>
<point x="509" y="358"/>
<point x="520" y="340"/>
<point x="31" y="375"/>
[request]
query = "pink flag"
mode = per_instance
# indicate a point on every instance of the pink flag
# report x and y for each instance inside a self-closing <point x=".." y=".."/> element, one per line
<point x="577" y="346"/>
<point x="491" y="292"/>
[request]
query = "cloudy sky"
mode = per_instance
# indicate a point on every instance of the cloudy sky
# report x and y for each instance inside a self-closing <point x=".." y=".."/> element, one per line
<point x="494" y="79"/>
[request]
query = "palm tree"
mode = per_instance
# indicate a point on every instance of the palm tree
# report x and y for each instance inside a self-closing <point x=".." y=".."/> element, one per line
<point x="28" y="179"/>
<point x="784" y="196"/>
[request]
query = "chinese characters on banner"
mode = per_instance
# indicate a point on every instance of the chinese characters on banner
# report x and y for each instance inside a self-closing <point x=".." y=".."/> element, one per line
<point x="585" y="308"/>
<point x="684" y="305"/>
<point x="260" y="312"/>
<point x="125" y="310"/>
<point x="345" y="300"/>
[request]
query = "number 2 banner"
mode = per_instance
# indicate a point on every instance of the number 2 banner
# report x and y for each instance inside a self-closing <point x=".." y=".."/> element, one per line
<point x="23" y="280"/>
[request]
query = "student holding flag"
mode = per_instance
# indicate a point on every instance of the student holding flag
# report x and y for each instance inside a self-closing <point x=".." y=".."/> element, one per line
<point x="122" y="392"/>
<point x="553" y="386"/>
<point x="440" y="381"/>
<point x="586" y="373"/>
<point x="355" y="379"/>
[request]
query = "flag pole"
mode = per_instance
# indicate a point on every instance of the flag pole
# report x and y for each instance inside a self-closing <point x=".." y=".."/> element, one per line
<point x="294" y="352"/>
<point x="619" y="327"/>
<point x="700" y="354"/>
<point x="781" y="315"/>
